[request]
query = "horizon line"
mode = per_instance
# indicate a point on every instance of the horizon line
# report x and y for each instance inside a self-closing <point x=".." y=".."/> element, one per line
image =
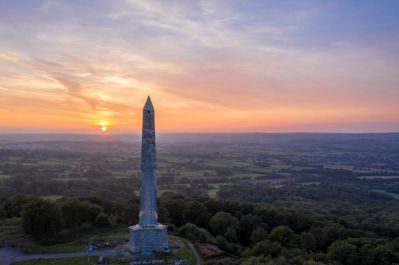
<point x="139" y="133"/>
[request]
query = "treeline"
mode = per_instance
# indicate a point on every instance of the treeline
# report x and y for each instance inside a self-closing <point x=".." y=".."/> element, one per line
<point x="355" y="204"/>
<point x="254" y="234"/>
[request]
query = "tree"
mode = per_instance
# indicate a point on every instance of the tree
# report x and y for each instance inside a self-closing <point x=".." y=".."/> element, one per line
<point x="102" y="220"/>
<point x="343" y="252"/>
<point x="130" y="214"/>
<point x="193" y="232"/>
<point x="329" y="233"/>
<point x="265" y="248"/>
<point x="231" y="234"/>
<point x="384" y="255"/>
<point x="163" y="215"/>
<point x="76" y="212"/>
<point x="42" y="219"/>
<point x="307" y="241"/>
<point x="13" y="206"/>
<point x="197" y="214"/>
<point x="255" y="261"/>
<point x="284" y="235"/>
<point x="367" y="254"/>
<point x="221" y="222"/>
<point x="176" y="208"/>
<point x="258" y="234"/>
<point x="312" y="262"/>
<point x="72" y="213"/>
<point x="247" y="224"/>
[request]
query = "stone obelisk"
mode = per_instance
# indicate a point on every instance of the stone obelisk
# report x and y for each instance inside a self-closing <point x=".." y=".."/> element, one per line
<point x="148" y="236"/>
<point x="148" y="190"/>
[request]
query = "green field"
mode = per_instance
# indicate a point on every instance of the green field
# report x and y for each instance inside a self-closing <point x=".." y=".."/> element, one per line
<point x="66" y="179"/>
<point x="77" y="244"/>
<point x="251" y="175"/>
<point x="191" y="173"/>
<point x="10" y="230"/>
<point x="4" y="177"/>
<point x="316" y="183"/>
<point x="172" y="159"/>
<point x="213" y="193"/>
<point x="393" y="195"/>
<point x="159" y="192"/>
<point x="227" y="163"/>
<point x="185" y="253"/>
<point x="51" y="197"/>
<point x="123" y="174"/>
<point x="63" y="261"/>
<point x="53" y="162"/>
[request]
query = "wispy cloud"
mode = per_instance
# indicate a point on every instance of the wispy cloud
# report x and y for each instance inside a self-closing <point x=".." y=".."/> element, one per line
<point x="244" y="63"/>
<point x="76" y="90"/>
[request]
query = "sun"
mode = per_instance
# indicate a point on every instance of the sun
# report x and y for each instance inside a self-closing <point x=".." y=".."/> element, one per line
<point x="104" y="125"/>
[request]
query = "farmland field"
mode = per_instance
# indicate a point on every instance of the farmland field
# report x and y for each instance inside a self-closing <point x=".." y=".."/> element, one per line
<point x="338" y="178"/>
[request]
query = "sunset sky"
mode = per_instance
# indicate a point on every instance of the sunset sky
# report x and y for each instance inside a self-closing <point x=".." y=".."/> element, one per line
<point x="209" y="66"/>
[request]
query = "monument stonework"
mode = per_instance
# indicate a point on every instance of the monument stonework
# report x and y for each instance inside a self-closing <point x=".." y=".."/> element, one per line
<point x="148" y="236"/>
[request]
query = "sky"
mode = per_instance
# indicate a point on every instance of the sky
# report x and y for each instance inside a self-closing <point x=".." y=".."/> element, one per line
<point x="209" y="66"/>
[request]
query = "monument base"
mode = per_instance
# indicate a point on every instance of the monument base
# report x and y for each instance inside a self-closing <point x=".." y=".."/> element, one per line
<point x="146" y="240"/>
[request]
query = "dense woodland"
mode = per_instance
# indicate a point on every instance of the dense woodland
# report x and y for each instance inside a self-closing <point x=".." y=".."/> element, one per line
<point x="264" y="200"/>
<point x="253" y="234"/>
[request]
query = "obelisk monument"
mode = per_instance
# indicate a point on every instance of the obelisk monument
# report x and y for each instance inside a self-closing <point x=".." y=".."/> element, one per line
<point x="148" y="236"/>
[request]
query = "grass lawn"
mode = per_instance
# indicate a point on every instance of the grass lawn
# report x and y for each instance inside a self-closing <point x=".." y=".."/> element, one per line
<point x="251" y="175"/>
<point x="185" y="253"/>
<point x="159" y="192"/>
<point x="277" y="186"/>
<point x="173" y="159"/>
<point x="227" y="163"/>
<point x="4" y="177"/>
<point x="394" y="195"/>
<point x="63" y="261"/>
<point x="79" y="243"/>
<point x="212" y="193"/>
<point x="51" y="197"/>
<point x="66" y="179"/>
<point x="10" y="230"/>
<point x="53" y="162"/>
<point x="191" y="174"/>
<point x="13" y="159"/>
<point x="316" y="183"/>
<point x="124" y="174"/>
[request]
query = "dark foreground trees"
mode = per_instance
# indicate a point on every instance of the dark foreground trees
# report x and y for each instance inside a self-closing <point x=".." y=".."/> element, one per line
<point x="253" y="234"/>
<point x="42" y="218"/>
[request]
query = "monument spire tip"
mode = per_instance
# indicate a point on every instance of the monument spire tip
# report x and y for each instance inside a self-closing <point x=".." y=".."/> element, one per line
<point x="148" y="104"/>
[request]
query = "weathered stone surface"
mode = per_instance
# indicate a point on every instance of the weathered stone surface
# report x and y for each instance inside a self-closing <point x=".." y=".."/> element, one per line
<point x="146" y="240"/>
<point x="148" y="236"/>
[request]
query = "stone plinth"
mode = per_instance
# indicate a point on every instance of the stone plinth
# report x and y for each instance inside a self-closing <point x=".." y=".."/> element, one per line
<point x="146" y="240"/>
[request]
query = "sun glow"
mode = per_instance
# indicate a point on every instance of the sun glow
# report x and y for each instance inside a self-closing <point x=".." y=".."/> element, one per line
<point x="104" y="125"/>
